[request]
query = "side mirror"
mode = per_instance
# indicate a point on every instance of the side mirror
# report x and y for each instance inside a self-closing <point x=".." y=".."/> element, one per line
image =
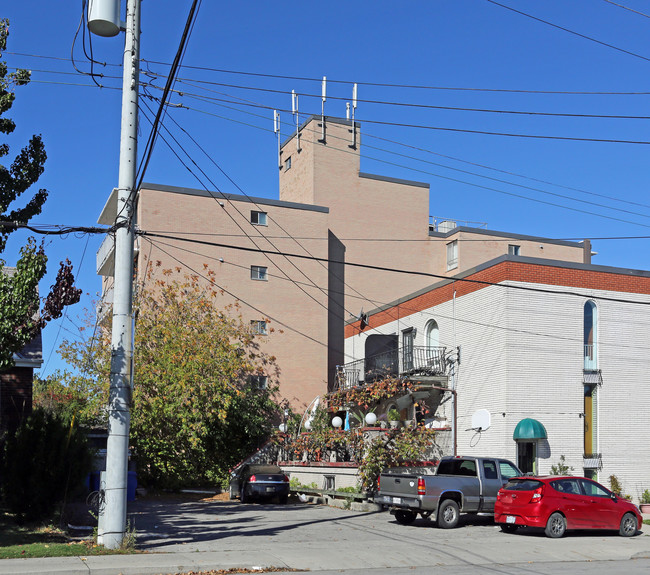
<point x="613" y="496"/>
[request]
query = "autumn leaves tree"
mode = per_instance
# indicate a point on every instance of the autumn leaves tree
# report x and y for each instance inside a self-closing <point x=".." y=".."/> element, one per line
<point x="20" y="319"/>
<point x="204" y="392"/>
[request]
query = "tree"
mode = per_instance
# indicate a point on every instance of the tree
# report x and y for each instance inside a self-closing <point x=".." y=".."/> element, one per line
<point x="204" y="393"/>
<point x="19" y="303"/>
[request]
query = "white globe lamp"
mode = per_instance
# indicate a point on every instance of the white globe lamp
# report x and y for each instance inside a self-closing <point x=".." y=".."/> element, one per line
<point x="371" y="418"/>
<point x="337" y="422"/>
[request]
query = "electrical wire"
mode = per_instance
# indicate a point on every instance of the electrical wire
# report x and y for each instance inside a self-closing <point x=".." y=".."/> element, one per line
<point x="389" y="269"/>
<point x="628" y="52"/>
<point x="627" y="8"/>
<point x="409" y="86"/>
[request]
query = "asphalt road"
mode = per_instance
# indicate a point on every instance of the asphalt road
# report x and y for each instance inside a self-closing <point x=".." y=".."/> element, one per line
<point x="198" y="535"/>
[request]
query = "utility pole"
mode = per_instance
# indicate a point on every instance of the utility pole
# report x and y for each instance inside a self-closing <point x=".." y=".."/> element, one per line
<point x="112" y="520"/>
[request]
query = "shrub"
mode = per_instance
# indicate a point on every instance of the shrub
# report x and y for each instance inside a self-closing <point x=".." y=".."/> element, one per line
<point x="561" y="468"/>
<point x="645" y="496"/>
<point x="46" y="459"/>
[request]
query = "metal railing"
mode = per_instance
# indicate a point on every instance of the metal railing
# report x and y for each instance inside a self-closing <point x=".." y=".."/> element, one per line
<point x="416" y="360"/>
<point x="591" y="360"/>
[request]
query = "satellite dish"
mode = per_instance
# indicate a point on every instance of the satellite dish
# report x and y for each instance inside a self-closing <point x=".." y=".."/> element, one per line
<point x="481" y="420"/>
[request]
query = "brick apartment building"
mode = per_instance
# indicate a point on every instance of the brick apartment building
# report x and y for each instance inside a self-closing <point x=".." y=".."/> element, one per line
<point x="553" y="360"/>
<point x="329" y="220"/>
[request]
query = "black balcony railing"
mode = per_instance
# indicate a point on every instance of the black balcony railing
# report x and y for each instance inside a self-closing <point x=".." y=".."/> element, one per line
<point x="407" y="361"/>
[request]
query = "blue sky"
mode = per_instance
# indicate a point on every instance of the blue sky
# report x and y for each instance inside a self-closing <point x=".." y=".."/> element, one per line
<point x="476" y="54"/>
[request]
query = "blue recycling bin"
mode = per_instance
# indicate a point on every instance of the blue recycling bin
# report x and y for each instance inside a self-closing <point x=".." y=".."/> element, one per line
<point x="131" y="486"/>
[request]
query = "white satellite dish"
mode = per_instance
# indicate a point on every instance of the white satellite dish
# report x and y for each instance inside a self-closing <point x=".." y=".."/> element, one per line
<point x="481" y="420"/>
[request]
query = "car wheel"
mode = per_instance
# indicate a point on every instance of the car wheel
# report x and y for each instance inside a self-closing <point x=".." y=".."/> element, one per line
<point x="242" y="494"/>
<point x="508" y="528"/>
<point x="556" y="525"/>
<point x="283" y="499"/>
<point x="448" y="514"/>
<point x="405" y="517"/>
<point x="628" y="525"/>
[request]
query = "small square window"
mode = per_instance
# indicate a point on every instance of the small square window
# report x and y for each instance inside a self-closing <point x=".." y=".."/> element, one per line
<point x="287" y="164"/>
<point x="258" y="218"/>
<point x="258" y="381"/>
<point x="259" y="273"/>
<point x="452" y="255"/>
<point x="258" y="326"/>
<point x="513" y="250"/>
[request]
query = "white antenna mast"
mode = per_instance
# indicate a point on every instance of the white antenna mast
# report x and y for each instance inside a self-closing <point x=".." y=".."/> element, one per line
<point x="276" y="130"/>
<point x="323" y="98"/>
<point x="354" y="107"/>
<point x="294" y="111"/>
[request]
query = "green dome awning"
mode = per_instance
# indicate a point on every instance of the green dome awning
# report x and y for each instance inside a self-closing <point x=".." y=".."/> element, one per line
<point x="529" y="429"/>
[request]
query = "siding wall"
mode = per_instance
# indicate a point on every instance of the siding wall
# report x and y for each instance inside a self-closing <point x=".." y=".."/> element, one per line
<point x="522" y="356"/>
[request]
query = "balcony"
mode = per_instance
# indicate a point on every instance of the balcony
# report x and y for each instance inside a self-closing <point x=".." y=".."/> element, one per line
<point x="591" y="360"/>
<point x="416" y="361"/>
<point x="592" y="461"/>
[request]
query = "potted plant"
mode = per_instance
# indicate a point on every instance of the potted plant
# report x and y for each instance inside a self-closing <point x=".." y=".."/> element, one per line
<point x="645" y="502"/>
<point x="393" y="418"/>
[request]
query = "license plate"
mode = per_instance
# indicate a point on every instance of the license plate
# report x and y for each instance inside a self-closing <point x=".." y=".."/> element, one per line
<point x="270" y="489"/>
<point x="397" y="500"/>
<point x="510" y="519"/>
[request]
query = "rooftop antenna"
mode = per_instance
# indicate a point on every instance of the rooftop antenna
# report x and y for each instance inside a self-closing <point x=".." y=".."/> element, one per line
<point x="276" y="130"/>
<point x="354" y="107"/>
<point x="294" y="111"/>
<point x="323" y="98"/>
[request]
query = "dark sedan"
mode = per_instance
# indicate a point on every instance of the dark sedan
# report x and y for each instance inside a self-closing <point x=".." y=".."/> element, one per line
<point x="557" y="504"/>
<point x="251" y="482"/>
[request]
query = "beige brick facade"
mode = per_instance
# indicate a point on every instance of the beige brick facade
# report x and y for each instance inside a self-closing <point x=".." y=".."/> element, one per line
<point x="327" y="209"/>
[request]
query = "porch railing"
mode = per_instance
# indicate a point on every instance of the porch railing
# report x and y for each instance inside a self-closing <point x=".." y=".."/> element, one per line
<point x="416" y="360"/>
<point x="591" y="361"/>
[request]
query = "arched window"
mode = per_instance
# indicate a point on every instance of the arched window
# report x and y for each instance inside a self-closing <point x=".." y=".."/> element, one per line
<point x="431" y="335"/>
<point x="590" y="335"/>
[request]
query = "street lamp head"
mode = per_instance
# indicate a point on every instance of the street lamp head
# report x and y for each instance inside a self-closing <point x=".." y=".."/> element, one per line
<point x="371" y="418"/>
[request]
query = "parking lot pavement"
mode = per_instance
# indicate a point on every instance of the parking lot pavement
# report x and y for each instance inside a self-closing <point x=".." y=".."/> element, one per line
<point x="193" y="534"/>
<point x="318" y="537"/>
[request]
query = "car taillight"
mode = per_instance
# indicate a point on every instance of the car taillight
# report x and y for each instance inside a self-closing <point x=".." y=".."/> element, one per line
<point x="378" y="483"/>
<point x="286" y="479"/>
<point x="422" y="490"/>
<point x="252" y="479"/>
<point x="537" y="495"/>
<point x="499" y="495"/>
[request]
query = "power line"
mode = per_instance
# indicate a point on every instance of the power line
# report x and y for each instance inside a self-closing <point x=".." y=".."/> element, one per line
<point x="409" y="86"/>
<point x="464" y="181"/>
<point x="387" y="269"/>
<point x="627" y="8"/>
<point x="422" y="106"/>
<point x="628" y="52"/>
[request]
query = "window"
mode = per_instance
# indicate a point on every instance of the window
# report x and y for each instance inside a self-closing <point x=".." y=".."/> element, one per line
<point x="490" y="470"/>
<point x="513" y="250"/>
<point x="590" y="336"/>
<point x="258" y="381"/>
<point x="259" y="273"/>
<point x="508" y="470"/>
<point x="407" y="348"/>
<point x="593" y="489"/>
<point x="258" y="218"/>
<point x="287" y="164"/>
<point x="452" y="255"/>
<point x="259" y="326"/>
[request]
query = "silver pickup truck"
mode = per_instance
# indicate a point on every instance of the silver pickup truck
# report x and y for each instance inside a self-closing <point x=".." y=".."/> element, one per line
<point x="460" y="485"/>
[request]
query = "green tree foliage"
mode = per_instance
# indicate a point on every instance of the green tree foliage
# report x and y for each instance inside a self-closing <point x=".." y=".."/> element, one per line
<point x="19" y="304"/>
<point x="43" y="463"/>
<point x="196" y="410"/>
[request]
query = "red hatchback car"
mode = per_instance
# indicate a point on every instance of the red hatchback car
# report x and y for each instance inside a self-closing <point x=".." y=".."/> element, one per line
<point x="560" y="503"/>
